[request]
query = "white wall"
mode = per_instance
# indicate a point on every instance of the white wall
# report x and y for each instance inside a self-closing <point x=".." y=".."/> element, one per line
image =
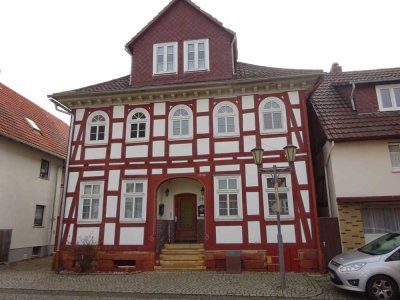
<point x="363" y="169"/>
<point x="21" y="190"/>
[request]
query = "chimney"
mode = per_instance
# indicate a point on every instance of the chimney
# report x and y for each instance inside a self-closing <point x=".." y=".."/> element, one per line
<point x="336" y="68"/>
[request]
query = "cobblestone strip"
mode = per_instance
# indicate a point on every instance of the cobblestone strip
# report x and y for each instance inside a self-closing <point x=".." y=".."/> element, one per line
<point x="194" y="283"/>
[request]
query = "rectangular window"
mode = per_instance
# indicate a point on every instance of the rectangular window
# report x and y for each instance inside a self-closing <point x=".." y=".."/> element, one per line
<point x="39" y="214"/>
<point x="134" y="197"/>
<point x="227" y="197"/>
<point x="388" y="97"/>
<point x="44" y="169"/>
<point x="165" y="58"/>
<point x="394" y="151"/>
<point x="380" y="219"/>
<point x="196" y="55"/>
<point x="284" y="193"/>
<point x="90" y="207"/>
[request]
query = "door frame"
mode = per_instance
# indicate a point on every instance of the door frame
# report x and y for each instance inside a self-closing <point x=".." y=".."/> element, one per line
<point x="177" y="198"/>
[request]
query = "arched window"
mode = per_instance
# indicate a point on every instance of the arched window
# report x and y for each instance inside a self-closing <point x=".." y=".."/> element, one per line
<point x="97" y="128"/>
<point x="138" y="125"/>
<point x="180" y="122"/>
<point x="226" y="121"/>
<point x="272" y="115"/>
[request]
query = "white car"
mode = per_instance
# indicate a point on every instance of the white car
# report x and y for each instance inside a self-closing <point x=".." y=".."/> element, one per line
<point x="373" y="268"/>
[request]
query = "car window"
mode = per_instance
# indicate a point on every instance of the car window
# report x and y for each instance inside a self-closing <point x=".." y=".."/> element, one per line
<point x="395" y="256"/>
<point x="382" y="245"/>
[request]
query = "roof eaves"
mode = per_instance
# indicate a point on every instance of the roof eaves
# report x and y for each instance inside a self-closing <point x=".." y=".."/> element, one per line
<point x="185" y="85"/>
<point x="31" y="145"/>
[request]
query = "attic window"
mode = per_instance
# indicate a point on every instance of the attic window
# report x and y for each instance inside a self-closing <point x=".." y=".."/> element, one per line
<point x="165" y="58"/>
<point x="388" y="97"/>
<point x="196" y="55"/>
<point x="32" y="124"/>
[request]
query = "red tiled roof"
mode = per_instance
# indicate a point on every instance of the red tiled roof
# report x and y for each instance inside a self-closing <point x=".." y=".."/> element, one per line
<point x="243" y="71"/>
<point x="335" y="113"/>
<point x="14" y="109"/>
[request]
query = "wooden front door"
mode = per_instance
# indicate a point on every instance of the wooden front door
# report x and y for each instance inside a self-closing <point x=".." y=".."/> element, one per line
<point x="185" y="218"/>
<point x="330" y="238"/>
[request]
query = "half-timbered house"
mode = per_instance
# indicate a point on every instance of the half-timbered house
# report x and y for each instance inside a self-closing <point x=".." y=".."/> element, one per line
<point x="162" y="156"/>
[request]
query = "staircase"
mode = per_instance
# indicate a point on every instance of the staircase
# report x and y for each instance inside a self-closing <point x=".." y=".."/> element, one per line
<point x="181" y="257"/>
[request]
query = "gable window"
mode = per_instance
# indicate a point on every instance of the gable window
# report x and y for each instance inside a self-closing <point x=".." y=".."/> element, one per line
<point x="226" y="121"/>
<point x="388" y="97"/>
<point x="196" y="55"/>
<point x="90" y="204"/>
<point x="180" y="122"/>
<point x="394" y="151"/>
<point x="138" y="125"/>
<point x="39" y="214"/>
<point x="284" y="193"/>
<point x="227" y="197"/>
<point x="97" y="128"/>
<point x="272" y="115"/>
<point x="44" y="169"/>
<point x="134" y="199"/>
<point x="165" y="58"/>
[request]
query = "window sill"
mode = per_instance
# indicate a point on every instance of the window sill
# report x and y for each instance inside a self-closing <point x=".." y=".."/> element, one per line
<point x="283" y="218"/>
<point x="102" y="143"/>
<point x="89" y="222"/>
<point x="38" y="226"/>
<point x="197" y="70"/>
<point x="226" y="136"/>
<point x="395" y="170"/>
<point x="274" y="132"/>
<point x="164" y="73"/>
<point x="228" y="219"/>
<point x="139" y="221"/>
<point x="180" y="138"/>
<point x="44" y="178"/>
<point x="136" y="141"/>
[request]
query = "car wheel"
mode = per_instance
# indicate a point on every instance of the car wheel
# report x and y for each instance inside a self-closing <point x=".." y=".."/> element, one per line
<point x="382" y="288"/>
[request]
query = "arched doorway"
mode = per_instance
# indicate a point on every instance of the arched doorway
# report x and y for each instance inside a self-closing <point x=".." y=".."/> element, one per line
<point x="180" y="211"/>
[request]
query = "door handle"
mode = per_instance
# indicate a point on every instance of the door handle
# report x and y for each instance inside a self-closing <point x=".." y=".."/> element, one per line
<point x="324" y="244"/>
<point x="176" y="219"/>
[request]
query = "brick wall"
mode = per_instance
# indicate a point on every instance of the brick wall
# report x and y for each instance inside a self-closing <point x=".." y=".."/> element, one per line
<point x="181" y="22"/>
<point x="351" y="225"/>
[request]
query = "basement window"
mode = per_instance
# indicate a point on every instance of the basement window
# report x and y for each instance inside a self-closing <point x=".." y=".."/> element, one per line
<point x="125" y="263"/>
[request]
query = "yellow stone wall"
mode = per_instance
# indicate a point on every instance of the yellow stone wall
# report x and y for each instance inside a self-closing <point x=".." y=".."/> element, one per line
<point x="351" y="225"/>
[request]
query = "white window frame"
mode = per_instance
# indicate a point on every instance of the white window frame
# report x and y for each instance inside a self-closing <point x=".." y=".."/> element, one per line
<point x="165" y="47"/>
<point x="196" y="54"/>
<point x="394" y="168"/>
<point x="287" y="190"/>
<point x="391" y="88"/>
<point x="283" y="115"/>
<point x="171" y="120"/>
<point x="235" y="116"/>
<point x="125" y="195"/>
<point x="89" y="125"/>
<point x="237" y="191"/>
<point x="83" y="196"/>
<point x="129" y="122"/>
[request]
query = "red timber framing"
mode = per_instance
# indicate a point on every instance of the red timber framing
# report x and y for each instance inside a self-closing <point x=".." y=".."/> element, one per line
<point x="112" y="167"/>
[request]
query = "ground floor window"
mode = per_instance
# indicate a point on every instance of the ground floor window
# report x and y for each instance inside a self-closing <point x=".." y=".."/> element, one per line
<point x="381" y="220"/>
<point x="39" y="214"/>
<point x="284" y="194"/>
<point x="227" y="195"/>
<point x="134" y="198"/>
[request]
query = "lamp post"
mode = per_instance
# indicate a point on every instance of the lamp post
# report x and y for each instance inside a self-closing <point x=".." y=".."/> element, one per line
<point x="290" y="154"/>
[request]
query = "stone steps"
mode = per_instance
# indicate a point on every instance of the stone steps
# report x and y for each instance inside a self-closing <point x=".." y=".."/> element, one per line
<point x="182" y="257"/>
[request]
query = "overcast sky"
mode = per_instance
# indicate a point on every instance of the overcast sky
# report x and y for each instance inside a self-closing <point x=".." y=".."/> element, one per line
<point x="49" y="46"/>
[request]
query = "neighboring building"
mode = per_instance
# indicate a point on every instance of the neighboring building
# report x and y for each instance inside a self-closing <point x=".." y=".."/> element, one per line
<point x="163" y="155"/>
<point x="355" y="125"/>
<point x="33" y="146"/>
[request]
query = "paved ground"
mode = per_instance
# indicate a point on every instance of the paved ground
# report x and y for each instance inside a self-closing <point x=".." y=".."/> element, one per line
<point x="34" y="280"/>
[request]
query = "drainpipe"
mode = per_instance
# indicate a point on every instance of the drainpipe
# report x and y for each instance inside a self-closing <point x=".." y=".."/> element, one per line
<point x="353" y="106"/>
<point x="62" y="108"/>
<point x="54" y="204"/>
<point x="327" y="159"/>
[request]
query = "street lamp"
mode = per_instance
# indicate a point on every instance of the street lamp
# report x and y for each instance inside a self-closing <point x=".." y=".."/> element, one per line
<point x="290" y="154"/>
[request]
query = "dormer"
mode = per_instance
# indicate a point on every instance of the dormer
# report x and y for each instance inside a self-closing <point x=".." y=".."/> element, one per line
<point x="182" y="44"/>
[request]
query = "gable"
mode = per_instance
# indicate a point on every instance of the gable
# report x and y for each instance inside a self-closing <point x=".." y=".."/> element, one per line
<point x="180" y="23"/>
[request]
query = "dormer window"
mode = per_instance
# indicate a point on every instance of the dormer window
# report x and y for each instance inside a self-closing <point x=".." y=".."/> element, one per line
<point x="388" y="97"/>
<point x="196" y="55"/>
<point x="165" y="58"/>
<point x="32" y="124"/>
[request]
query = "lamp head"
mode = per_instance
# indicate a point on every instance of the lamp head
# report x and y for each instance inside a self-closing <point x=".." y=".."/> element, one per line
<point x="258" y="155"/>
<point x="290" y="153"/>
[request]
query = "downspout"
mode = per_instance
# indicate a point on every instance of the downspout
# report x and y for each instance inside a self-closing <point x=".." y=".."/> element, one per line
<point x="327" y="159"/>
<point x="62" y="108"/>
<point x="353" y="106"/>
<point x="53" y="206"/>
